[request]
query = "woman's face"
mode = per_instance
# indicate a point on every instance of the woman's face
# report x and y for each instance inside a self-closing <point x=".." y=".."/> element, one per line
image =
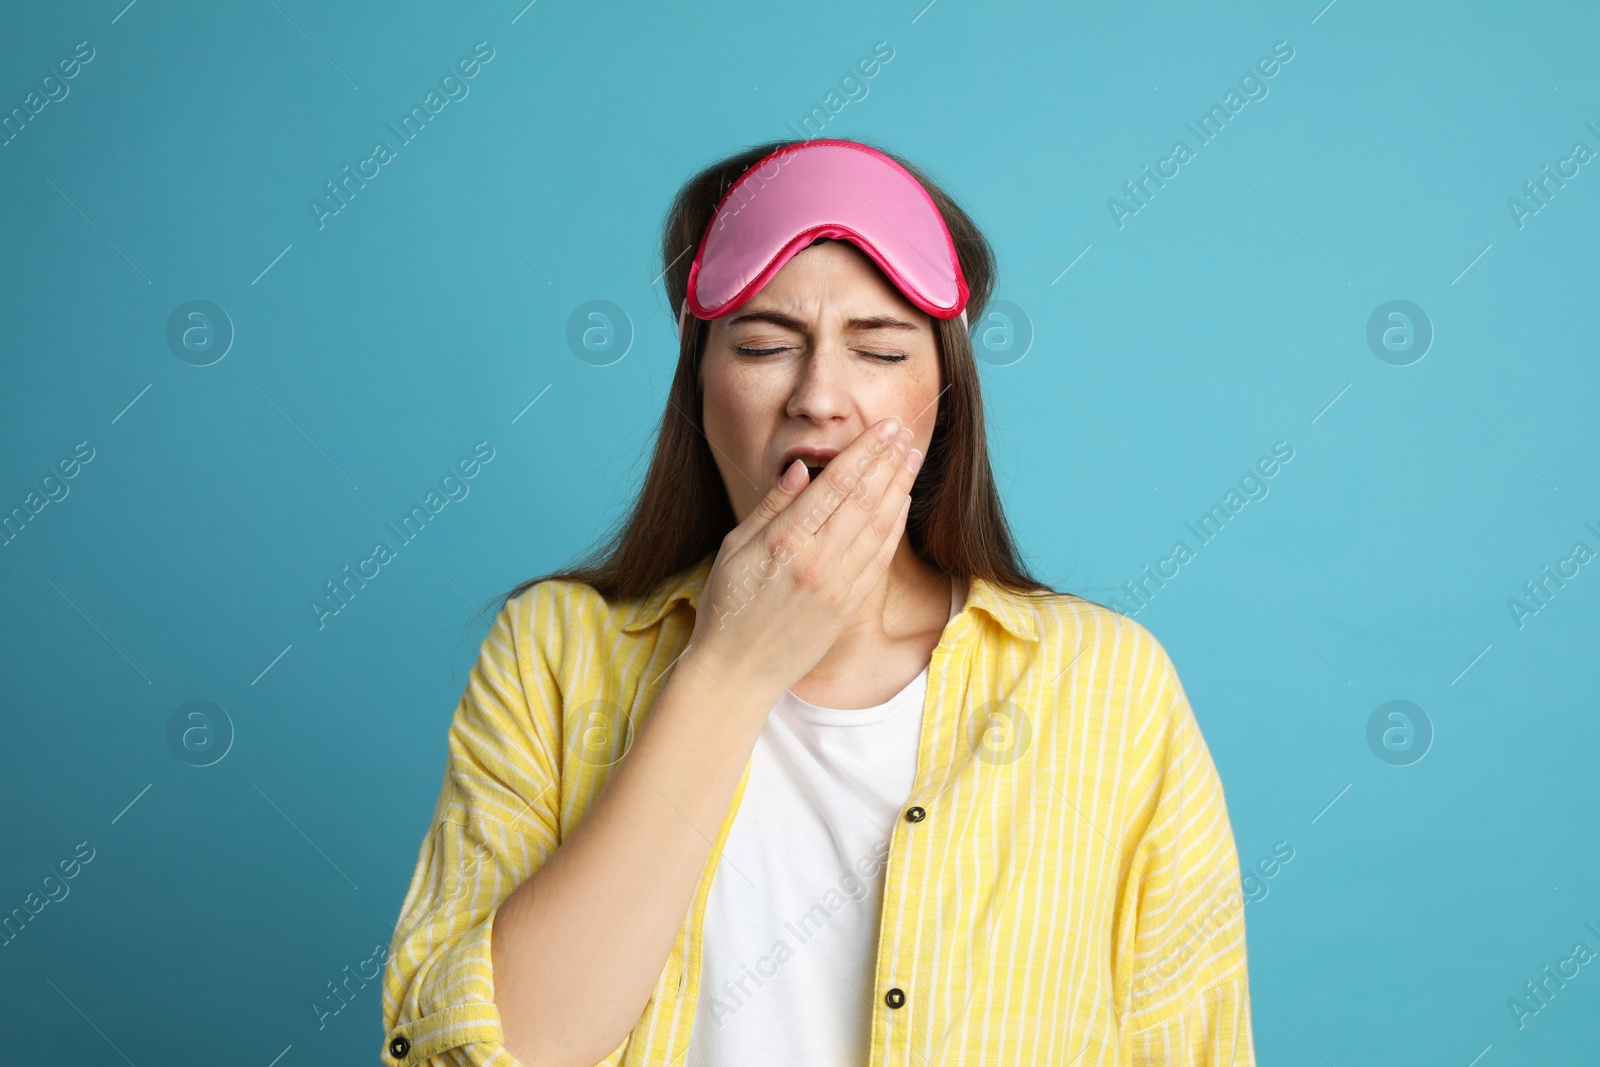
<point x="828" y="348"/>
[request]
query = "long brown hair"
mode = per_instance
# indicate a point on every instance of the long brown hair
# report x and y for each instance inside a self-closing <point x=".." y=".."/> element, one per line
<point x="682" y="512"/>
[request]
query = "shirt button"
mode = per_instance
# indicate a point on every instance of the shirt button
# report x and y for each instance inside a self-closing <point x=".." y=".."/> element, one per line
<point x="895" y="998"/>
<point x="915" y="813"/>
<point x="399" y="1047"/>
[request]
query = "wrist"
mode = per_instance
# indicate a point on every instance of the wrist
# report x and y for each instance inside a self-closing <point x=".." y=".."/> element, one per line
<point x="709" y="665"/>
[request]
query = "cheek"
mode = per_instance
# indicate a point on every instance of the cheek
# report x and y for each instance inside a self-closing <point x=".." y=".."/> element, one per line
<point x="916" y="399"/>
<point x="719" y="404"/>
<point x="732" y="410"/>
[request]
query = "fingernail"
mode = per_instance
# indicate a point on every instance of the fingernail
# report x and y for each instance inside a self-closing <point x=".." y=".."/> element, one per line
<point x="889" y="427"/>
<point x="913" y="459"/>
<point x="790" y="479"/>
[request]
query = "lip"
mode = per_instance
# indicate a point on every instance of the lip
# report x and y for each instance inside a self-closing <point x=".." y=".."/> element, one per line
<point x="814" y="455"/>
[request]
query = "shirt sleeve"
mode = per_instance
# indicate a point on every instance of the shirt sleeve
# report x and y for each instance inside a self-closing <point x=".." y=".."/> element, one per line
<point x="1182" y="973"/>
<point x="496" y="822"/>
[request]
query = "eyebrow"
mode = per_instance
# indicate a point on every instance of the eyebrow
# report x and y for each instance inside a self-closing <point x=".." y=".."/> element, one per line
<point x="789" y="322"/>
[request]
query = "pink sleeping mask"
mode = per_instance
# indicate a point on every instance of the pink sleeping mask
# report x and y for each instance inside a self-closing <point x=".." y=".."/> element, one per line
<point x="825" y="188"/>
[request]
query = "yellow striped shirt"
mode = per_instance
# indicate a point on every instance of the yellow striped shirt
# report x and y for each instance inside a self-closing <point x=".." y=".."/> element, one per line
<point x="1070" y="894"/>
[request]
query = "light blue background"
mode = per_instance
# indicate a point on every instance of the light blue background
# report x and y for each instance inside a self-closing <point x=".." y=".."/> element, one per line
<point x="1228" y="314"/>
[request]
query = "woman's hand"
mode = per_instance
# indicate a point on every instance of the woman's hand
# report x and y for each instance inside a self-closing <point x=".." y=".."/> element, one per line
<point x="789" y="577"/>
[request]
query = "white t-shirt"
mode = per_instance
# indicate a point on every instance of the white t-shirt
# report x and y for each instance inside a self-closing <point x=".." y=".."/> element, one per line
<point x="791" y="925"/>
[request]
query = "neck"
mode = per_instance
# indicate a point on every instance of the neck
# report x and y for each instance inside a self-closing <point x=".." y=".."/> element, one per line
<point x="903" y="599"/>
<point x="897" y="625"/>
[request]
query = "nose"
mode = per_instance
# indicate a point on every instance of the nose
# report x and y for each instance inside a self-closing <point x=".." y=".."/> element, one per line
<point x="821" y="388"/>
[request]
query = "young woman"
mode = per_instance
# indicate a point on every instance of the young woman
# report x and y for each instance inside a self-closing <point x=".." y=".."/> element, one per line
<point x="803" y="767"/>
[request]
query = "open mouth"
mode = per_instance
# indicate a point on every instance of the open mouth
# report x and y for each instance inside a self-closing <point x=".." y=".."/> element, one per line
<point x="814" y="464"/>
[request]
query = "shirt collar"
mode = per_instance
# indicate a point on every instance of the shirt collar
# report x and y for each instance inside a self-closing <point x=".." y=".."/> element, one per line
<point x="1011" y="610"/>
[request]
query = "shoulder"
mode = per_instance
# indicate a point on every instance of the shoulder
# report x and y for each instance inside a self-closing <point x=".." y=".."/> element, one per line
<point x="1097" y="674"/>
<point x="1121" y="650"/>
<point x="557" y="595"/>
<point x="550" y="615"/>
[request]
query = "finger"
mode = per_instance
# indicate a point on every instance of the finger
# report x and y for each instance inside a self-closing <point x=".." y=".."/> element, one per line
<point x="769" y="507"/>
<point x="842" y="476"/>
<point x="854" y="513"/>
<point x="881" y="552"/>
<point x="880" y="534"/>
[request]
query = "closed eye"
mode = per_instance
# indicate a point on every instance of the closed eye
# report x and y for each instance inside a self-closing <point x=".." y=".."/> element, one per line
<point x="887" y="357"/>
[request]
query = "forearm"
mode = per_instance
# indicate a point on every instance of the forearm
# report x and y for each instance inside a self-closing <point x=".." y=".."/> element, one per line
<point x="579" y="946"/>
